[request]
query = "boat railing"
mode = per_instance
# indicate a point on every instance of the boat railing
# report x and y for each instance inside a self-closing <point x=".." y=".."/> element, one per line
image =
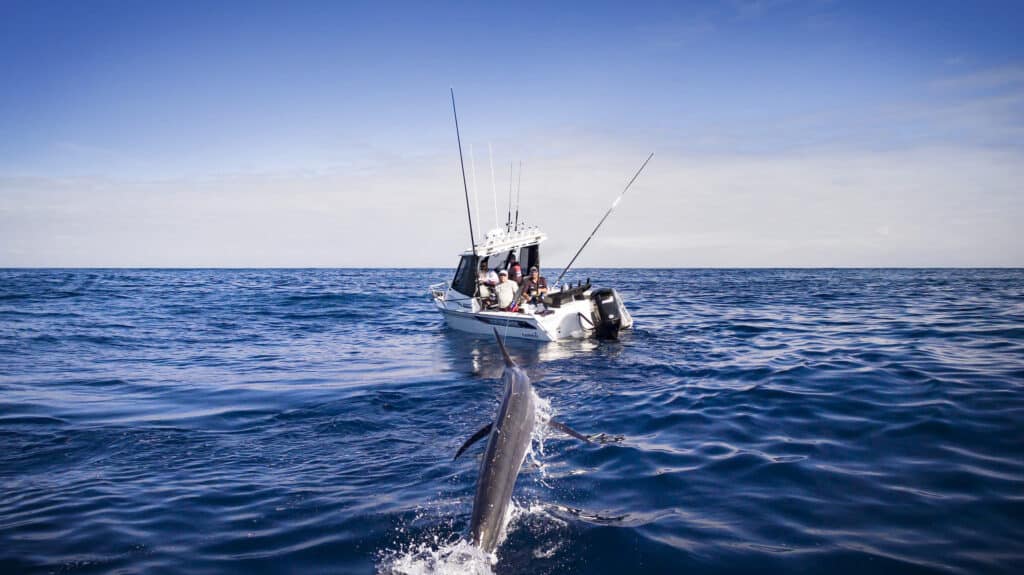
<point x="566" y="294"/>
<point x="439" y="290"/>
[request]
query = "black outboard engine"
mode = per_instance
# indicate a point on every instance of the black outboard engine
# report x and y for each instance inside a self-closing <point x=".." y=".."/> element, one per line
<point x="607" y="312"/>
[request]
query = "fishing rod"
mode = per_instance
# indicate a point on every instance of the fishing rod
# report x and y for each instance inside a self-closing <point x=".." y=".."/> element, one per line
<point x="494" y="190"/>
<point x="508" y="218"/>
<point x="465" y="187"/>
<point x="476" y="195"/>
<point x="519" y="188"/>
<point x="606" y="214"/>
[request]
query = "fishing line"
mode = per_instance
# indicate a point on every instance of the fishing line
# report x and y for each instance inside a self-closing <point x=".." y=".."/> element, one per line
<point x="606" y="214"/>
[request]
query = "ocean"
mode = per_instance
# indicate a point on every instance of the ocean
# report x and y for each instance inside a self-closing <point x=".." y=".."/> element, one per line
<point x="305" y="421"/>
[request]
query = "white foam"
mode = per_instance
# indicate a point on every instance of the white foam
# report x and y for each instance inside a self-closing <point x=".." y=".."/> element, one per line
<point x="459" y="557"/>
<point x="542" y="414"/>
<point x="535" y="509"/>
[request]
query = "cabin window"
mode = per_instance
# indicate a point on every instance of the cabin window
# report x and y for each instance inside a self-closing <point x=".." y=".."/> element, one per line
<point x="506" y="259"/>
<point x="499" y="261"/>
<point x="465" y="276"/>
<point x="529" y="256"/>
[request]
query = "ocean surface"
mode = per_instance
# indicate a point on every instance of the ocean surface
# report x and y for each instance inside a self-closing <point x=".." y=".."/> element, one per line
<point x="304" y="421"/>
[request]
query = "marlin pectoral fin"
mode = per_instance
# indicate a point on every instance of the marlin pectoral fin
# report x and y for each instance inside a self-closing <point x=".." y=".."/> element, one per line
<point x="604" y="438"/>
<point x="476" y="437"/>
<point x="567" y="430"/>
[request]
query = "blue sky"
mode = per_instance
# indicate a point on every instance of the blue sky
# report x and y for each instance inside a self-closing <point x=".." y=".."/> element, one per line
<point x="154" y="123"/>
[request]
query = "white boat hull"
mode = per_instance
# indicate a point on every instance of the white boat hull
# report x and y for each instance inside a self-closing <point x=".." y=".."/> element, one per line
<point x="571" y="320"/>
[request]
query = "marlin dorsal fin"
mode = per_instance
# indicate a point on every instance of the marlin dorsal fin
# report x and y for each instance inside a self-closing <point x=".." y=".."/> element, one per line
<point x="501" y="344"/>
<point x="476" y="437"/>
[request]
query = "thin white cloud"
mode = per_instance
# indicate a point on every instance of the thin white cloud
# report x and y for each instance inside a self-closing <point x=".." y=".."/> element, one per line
<point x="1000" y="77"/>
<point x="920" y="207"/>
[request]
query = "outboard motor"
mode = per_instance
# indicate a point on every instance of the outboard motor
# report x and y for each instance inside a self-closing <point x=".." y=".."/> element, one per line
<point x="609" y="313"/>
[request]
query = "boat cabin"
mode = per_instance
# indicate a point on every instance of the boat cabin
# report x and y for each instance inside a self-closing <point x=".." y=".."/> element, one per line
<point x="497" y="249"/>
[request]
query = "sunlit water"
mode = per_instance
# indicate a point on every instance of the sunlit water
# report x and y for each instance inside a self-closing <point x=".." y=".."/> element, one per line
<point x="304" y="421"/>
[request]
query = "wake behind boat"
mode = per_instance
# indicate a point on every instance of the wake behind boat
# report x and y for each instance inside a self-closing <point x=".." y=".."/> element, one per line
<point x="489" y="289"/>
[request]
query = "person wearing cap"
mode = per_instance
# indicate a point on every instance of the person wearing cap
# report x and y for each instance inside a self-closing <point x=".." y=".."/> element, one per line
<point x="506" y="290"/>
<point x="534" y="286"/>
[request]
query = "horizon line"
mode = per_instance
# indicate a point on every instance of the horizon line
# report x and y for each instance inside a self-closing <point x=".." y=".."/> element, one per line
<point x="173" y="268"/>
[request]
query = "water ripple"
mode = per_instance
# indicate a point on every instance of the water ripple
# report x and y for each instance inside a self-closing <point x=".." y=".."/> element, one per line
<point x="305" y="421"/>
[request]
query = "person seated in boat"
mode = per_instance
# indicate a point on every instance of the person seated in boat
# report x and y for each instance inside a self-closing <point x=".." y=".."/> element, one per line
<point x="484" y="292"/>
<point x="505" y="290"/>
<point x="485" y="285"/>
<point x="515" y="271"/>
<point x="485" y="276"/>
<point x="535" y="286"/>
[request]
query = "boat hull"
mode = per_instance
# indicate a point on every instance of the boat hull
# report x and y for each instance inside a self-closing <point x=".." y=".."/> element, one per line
<point x="563" y="323"/>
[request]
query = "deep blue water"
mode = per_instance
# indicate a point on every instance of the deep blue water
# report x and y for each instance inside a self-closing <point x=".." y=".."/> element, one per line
<point x="297" y="421"/>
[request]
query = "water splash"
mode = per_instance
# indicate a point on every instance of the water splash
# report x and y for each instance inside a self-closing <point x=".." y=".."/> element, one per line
<point x="435" y="555"/>
<point x="543" y="413"/>
<point x="458" y="557"/>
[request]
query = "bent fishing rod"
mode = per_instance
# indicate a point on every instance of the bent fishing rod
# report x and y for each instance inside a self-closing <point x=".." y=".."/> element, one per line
<point x="462" y="164"/>
<point x="606" y="214"/>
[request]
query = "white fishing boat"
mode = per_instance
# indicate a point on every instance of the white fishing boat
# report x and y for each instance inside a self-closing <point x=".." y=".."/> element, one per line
<point x="469" y="303"/>
<point x="566" y="311"/>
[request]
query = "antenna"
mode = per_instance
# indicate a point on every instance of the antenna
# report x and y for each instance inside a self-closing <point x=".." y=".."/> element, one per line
<point x="476" y="197"/>
<point x="519" y="188"/>
<point x="462" y="164"/>
<point x="606" y="214"/>
<point x="494" y="190"/>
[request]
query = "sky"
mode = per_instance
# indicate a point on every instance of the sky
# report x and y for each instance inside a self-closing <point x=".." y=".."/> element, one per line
<point x="307" y="134"/>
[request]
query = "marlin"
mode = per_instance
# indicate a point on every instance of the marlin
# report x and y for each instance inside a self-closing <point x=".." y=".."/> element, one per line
<point x="509" y="437"/>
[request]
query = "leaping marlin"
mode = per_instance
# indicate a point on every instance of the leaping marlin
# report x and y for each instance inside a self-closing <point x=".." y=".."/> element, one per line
<point x="509" y="441"/>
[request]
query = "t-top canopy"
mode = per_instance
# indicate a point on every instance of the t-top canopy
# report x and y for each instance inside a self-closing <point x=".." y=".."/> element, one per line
<point x="502" y="240"/>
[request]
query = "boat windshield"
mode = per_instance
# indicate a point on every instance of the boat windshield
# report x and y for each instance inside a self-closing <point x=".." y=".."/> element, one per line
<point x="465" y="276"/>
